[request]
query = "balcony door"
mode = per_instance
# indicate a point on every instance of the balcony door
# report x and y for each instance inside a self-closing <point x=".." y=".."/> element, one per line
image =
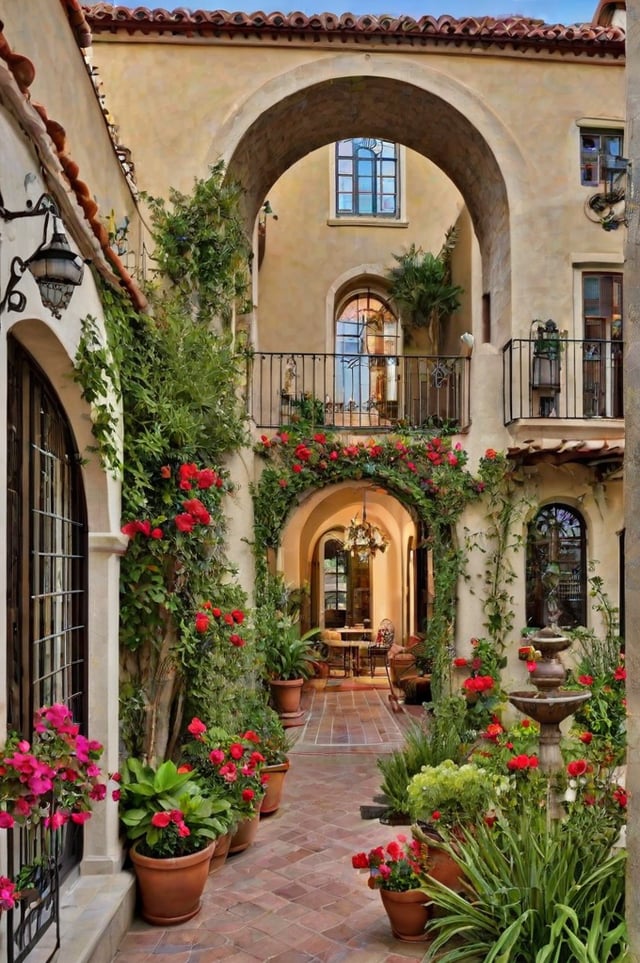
<point x="367" y="347"/>
<point x="602" y="350"/>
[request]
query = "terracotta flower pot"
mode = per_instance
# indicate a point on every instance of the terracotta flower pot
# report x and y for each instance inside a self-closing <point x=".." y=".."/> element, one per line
<point x="408" y="913"/>
<point x="245" y="834"/>
<point x="275" y="786"/>
<point x="170" y="889"/>
<point x="286" y="695"/>
<point x="220" y="854"/>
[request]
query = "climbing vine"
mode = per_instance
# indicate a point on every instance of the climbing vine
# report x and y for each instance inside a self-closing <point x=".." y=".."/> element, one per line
<point x="175" y="377"/>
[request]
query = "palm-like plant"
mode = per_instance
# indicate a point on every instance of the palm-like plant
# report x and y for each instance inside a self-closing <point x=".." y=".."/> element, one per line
<point x="420" y="282"/>
<point x="535" y="891"/>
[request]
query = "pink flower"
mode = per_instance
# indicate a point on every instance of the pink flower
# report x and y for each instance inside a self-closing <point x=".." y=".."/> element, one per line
<point x="80" y="818"/>
<point x="196" y="727"/>
<point x="216" y="756"/>
<point x="6" y="820"/>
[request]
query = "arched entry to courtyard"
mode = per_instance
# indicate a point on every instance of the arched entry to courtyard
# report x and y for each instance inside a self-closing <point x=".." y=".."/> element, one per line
<point x="323" y="103"/>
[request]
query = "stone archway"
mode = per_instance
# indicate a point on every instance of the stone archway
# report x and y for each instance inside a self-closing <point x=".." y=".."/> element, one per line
<point x="321" y="103"/>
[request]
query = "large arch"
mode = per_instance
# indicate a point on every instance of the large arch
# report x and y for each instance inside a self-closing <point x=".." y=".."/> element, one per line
<point x="319" y="103"/>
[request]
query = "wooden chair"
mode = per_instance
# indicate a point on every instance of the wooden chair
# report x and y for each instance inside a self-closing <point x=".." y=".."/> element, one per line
<point x="385" y="637"/>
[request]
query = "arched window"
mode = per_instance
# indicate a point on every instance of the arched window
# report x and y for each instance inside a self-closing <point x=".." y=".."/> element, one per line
<point x="557" y="537"/>
<point x="367" y="178"/>
<point x="367" y="348"/>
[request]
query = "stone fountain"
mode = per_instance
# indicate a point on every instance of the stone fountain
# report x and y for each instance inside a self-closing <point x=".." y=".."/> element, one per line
<point x="549" y="704"/>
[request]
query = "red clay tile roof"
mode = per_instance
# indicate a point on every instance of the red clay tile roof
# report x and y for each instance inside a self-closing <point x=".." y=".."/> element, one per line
<point x="50" y="141"/>
<point x="514" y="32"/>
<point x="534" y="451"/>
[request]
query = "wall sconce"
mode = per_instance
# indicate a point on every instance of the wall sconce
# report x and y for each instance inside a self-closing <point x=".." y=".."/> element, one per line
<point x="53" y="265"/>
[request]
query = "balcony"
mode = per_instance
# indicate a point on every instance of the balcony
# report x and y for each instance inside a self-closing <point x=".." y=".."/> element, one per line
<point x="564" y="379"/>
<point x="350" y="392"/>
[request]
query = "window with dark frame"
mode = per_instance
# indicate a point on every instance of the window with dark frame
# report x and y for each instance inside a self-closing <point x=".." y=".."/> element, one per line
<point x="557" y="536"/>
<point x="603" y="345"/>
<point x="367" y="178"/>
<point x="593" y="145"/>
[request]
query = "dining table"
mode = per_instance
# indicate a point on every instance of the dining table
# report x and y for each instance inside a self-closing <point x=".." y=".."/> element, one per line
<point x="353" y="638"/>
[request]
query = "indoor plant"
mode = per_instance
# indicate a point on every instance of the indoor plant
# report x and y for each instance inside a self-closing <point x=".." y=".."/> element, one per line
<point x="396" y="870"/>
<point x="172" y="825"/>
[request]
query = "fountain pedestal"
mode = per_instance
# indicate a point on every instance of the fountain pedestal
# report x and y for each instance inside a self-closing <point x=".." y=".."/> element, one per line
<point x="549" y="705"/>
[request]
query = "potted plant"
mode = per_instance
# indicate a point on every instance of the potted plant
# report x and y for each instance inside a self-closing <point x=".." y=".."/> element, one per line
<point x="275" y="744"/>
<point x="231" y="767"/>
<point x="396" y="870"/>
<point x="289" y="659"/>
<point x="172" y="825"/>
<point x="420" y="282"/>
<point x="450" y="796"/>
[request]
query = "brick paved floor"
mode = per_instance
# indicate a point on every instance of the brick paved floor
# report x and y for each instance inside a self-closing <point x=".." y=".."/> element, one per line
<point x="293" y="896"/>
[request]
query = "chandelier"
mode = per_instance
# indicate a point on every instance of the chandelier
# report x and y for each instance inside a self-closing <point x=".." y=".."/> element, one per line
<point x="362" y="538"/>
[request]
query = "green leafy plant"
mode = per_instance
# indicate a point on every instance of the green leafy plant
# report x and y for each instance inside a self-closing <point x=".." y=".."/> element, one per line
<point x="533" y="893"/>
<point x="451" y="796"/>
<point x="166" y="812"/>
<point x="426" y="743"/>
<point x="175" y="376"/>
<point x="421" y="283"/>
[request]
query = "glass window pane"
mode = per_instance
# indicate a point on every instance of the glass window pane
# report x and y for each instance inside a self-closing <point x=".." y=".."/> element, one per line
<point x="345" y="184"/>
<point x="345" y="202"/>
<point x="345" y="166"/>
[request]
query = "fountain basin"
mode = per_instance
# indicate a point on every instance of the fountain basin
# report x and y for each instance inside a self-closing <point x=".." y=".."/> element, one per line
<point x="548" y="708"/>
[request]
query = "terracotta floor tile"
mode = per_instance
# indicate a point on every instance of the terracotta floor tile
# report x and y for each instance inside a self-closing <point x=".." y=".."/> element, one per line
<point x="293" y="896"/>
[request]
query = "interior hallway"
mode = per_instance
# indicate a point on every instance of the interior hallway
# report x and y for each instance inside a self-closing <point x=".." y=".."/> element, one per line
<point x="293" y="897"/>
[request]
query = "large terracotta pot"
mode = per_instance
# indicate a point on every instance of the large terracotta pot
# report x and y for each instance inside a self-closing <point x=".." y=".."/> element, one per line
<point x="408" y="913"/>
<point x="170" y="889"/>
<point x="245" y="834"/>
<point x="440" y="864"/>
<point x="220" y="854"/>
<point x="275" y="786"/>
<point x="286" y="695"/>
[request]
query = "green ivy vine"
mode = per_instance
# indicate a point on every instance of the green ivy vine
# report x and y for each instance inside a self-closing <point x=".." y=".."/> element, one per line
<point x="176" y="378"/>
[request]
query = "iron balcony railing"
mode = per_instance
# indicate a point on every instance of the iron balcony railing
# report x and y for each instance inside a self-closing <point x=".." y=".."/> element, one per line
<point x="351" y="391"/>
<point x="562" y="378"/>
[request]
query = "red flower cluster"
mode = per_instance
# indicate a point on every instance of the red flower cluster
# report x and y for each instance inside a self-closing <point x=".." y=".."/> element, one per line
<point x="479" y="683"/>
<point x="215" y="616"/>
<point x="162" y="819"/>
<point x="231" y="767"/>
<point x="395" y="866"/>
<point x="621" y="797"/>
<point x="522" y="762"/>
<point x="131" y="529"/>
<point x="190" y="475"/>
<point x="194" y="514"/>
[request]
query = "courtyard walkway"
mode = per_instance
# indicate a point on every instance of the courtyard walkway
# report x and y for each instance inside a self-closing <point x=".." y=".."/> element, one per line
<point x="293" y="897"/>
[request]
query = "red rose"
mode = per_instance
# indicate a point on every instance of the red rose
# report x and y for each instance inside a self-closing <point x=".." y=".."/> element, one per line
<point x="577" y="768"/>
<point x="196" y="727"/>
<point x="236" y="750"/>
<point x="360" y="861"/>
<point x="460" y="662"/>
<point x="206" y="478"/>
<point x="621" y="797"/>
<point x="585" y="679"/>
<point x="202" y="622"/>
<point x="490" y="454"/>
<point x="185" y="522"/>
<point x="238" y="616"/>
<point x="620" y="674"/>
<point x="297" y="469"/>
<point x="248" y="794"/>
<point x="586" y="737"/>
